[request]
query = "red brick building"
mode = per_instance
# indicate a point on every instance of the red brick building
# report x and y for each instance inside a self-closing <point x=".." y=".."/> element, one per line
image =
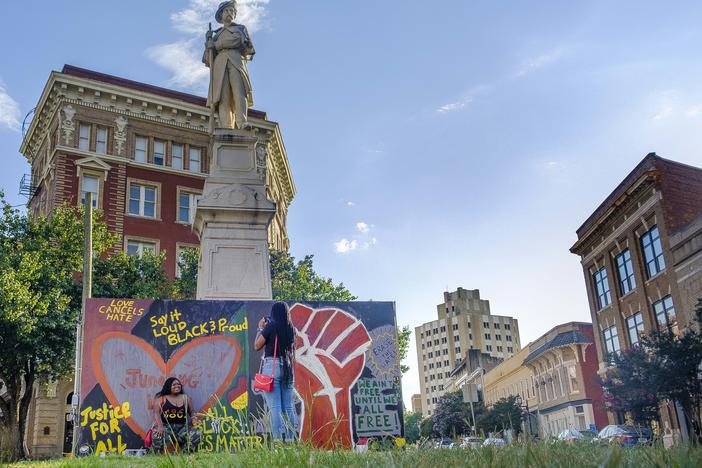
<point x="142" y="151"/>
<point x="641" y="252"/>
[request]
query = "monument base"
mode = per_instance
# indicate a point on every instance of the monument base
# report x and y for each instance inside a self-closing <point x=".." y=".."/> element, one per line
<point x="232" y="219"/>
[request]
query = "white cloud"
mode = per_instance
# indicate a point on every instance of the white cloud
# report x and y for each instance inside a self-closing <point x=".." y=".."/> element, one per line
<point x="350" y="203"/>
<point x="183" y="58"/>
<point x="541" y="61"/>
<point x="370" y="243"/>
<point x="345" y="245"/>
<point x="362" y="227"/>
<point x="664" y="113"/>
<point x="9" y="110"/>
<point x="465" y="100"/>
<point x="693" y="112"/>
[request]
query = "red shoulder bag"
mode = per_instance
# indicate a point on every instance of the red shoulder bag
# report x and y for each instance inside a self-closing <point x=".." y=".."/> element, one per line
<point x="264" y="382"/>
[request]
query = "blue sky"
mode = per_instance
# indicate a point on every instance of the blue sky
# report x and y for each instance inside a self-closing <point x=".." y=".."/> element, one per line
<point x="433" y="144"/>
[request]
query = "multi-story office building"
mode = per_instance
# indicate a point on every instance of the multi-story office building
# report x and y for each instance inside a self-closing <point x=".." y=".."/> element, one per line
<point x="641" y="253"/>
<point x="555" y="376"/>
<point x="464" y="323"/>
<point x="142" y="151"/>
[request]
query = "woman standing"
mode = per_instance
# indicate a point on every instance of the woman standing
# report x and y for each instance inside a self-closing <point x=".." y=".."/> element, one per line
<point x="277" y="329"/>
<point x="173" y="418"/>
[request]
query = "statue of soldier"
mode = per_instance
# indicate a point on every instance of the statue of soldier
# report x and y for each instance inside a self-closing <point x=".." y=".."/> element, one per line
<point x="227" y="51"/>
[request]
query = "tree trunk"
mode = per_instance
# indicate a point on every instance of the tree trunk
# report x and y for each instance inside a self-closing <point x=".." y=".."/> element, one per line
<point x="24" y="410"/>
<point x="9" y="437"/>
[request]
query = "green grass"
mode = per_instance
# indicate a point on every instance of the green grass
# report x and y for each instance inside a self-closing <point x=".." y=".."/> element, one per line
<point x="532" y="455"/>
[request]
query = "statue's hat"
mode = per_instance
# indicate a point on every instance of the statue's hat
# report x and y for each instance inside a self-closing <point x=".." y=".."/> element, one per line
<point x="221" y="7"/>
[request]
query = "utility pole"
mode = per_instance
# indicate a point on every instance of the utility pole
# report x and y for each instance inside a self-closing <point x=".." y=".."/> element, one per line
<point x="87" y="290"/>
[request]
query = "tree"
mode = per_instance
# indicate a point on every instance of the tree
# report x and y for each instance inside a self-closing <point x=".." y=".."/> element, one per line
<point x="664" y="366"/>
<point x="403" y="338"/>
<point x="412" y="420"/>
<point x="630" y="388"/>
<point x="138" y="277"/>
<point x="299" y="282"/>
<point x="426" y="428"/>
<point x="452" y="415"/>
<point x="39" y="302"/>
<point x="504" y="414"/>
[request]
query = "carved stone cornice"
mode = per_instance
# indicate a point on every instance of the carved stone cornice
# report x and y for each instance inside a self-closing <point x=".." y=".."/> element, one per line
<point x="62" y="90"/>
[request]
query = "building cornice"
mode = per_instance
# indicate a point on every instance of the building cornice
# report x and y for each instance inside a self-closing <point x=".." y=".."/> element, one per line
<point x="140" y="104"/>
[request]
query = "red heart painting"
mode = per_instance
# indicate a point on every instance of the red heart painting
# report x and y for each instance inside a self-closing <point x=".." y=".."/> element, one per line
<point x="130" y="370"/>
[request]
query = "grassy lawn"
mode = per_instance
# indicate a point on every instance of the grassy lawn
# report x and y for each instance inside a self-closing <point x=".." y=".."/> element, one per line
<point x="537" y="455"/>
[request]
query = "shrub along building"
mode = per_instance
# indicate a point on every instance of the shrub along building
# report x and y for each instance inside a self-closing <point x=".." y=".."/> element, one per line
<point x="142" y="151"/>
<point x="641" y="253"/>
<point x="555" y="377"/>
<point x="464" y="323"/>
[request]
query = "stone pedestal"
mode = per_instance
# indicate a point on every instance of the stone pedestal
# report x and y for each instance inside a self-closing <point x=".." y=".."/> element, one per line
<point x="232" y="219"/>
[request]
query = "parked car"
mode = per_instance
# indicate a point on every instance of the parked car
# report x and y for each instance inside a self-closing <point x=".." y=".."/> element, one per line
<point x="574" y="435"/>
<point x="445" y="442"/>
<point x="624" y="434"/>
<point x="471" y="442"/>
<point x="495" y="441"/>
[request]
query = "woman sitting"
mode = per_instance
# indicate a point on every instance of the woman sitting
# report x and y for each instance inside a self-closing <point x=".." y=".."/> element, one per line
<point x="174" y="419"/>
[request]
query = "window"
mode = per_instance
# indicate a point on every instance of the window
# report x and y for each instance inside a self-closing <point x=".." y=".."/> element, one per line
<point x="498" y="337"/>
<point x="488" y="347"/>
<point x="486" y="325"/>
<point x="627" y="282"/>
<point x="496" y="325"/>
<point x="90" y="183"/>
<point x="653" y="252"/>
<point x="634" y="326"/>
<point x="177" y="156"/>
<point x="665" y="315"/>
<point x="444" y="352"/>
<point x="487" y="336"/>
<point x="431" y="354"/>
<point x="455" y="326"/>
<point x="438" y="364"/>
<point x="141" y="149"/>
<point x="508" y="337"/>
<point x="436" y="342"/>
<point x="443" y="328"/>
<point x="458" y="350"/>
<point x="101" y="140"/>
<point x="436" y="331"/>
<point x="469" y="325"/>
<point x="446" y="362"/>
<point x="604" y="297"/>
<point x="142" y="200"/>
<point x="611" y="340"/>
<point x="507" y="326"/>
<point x="499" y="349"/>
<point x="510" y="349"/>
<point x="443" y="340"/>
<point x="470" y="336"/>
<point x="84" y="137"/>
<point x="187" y="202"/>
<point x="194" y="160"/>
<point x="159" y="152"/>
<point x="456" y="338"/>
<point x="138" y="247"/>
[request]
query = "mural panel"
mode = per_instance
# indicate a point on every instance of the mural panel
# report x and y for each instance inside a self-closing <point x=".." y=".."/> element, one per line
<point x="346" y="375"/>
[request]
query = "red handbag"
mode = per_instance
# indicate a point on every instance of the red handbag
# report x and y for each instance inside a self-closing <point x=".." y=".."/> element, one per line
<point x="264" y="382"/>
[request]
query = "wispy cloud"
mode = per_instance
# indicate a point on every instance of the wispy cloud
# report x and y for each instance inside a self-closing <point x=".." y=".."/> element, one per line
<point x="9" y="110"/>
<point x="183" y="58"/>
<point x="693" y="112"/>
<point x="664" y="113"/>
<point x="345" y="246"/>
<point x="466" y="99"/>
<point x="362" y="227"/>
<point x="360" y="240"/>
<point x="350" y="203"/>
<point x="542" y="60"/>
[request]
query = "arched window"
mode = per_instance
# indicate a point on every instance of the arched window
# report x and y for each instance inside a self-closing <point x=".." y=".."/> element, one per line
<point x="69" y="398"/>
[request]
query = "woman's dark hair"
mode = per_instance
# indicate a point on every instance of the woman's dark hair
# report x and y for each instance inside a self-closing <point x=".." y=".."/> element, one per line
<point x="166" y="390"/>
<point x="283" y="329"/>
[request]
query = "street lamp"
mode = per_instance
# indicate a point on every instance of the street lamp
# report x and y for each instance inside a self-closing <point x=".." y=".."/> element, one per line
<point x="518" y="401"/>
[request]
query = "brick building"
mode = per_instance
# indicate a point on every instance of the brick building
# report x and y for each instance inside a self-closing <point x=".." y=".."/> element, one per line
<point x="142" y="151"/>
<point x="464" y="323"/>
<point x="556" y="376"/>
<point x="641" y="253"/>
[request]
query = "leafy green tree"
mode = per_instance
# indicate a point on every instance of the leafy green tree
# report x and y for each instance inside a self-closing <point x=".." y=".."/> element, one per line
<point x="138" y="277"/>
<point x="629" y="387"/>
<point x="412" y="420"/>
<point x="452" y="416"/>
<point x="297" y="281"/>
<point x="185" y="286"/>
<point x="403" y="339"/>
<point x="426" y="428"/>
<point x="40" y="299"/>
<point x="504" y="414"/>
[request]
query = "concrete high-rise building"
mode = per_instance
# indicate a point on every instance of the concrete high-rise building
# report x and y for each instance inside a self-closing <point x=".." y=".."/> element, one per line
<point x="463" y="322"/>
